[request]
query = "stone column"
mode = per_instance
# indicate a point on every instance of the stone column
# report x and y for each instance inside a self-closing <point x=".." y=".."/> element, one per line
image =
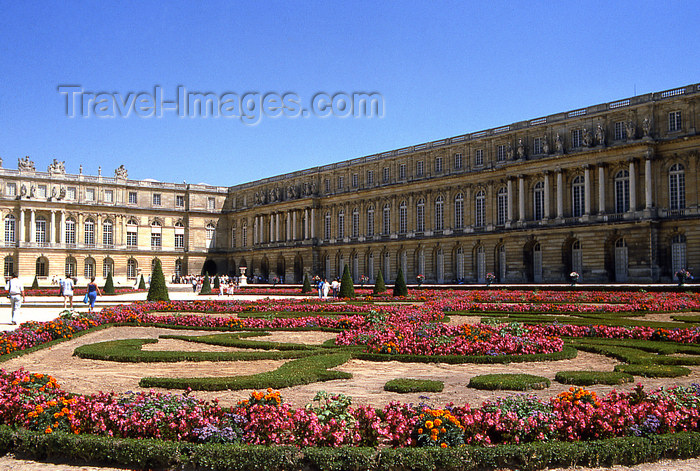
<point x="313" y="226"/>
<point x="546" y="195"/>
<point x="272" y="227"/>
<point x="288" y="229"/>
<point x="601" y="189"/>
<point x="62" y="229"/>
<point x="647" y="183"/>
<point x="633" y="187"/>
<point x="306" y="223"/>
<point x="32" y="226"/>
<point x="560" y="194"/>
<point x="2" y="228"/>
<point x="294" y="224"/>
<point x="99" y="236"/>
<point x="21" y="227"/>
<point x="52" y="229"/>
<point x="587" y="190"/>
<point x="509" y="186"/>
<point x="255" y="230"/>
<point x="521" y="198"/>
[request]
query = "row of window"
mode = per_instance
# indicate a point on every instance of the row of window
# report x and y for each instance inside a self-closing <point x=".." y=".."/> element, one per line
<point x="42" y="267"/>
<point x="622" y="204"/>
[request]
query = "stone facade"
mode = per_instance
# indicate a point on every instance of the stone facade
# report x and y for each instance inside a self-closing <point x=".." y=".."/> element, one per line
<point x="609" y="191"/>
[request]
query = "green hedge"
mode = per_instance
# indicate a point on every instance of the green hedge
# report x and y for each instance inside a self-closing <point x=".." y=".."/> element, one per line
<point x="654" y="371"/>
<point x="589" y="378"/>
<point x="409" y="385"/>
<point x="158" y="454"/>
<point x="566" y="354"/>
<point x="508" y="381"/>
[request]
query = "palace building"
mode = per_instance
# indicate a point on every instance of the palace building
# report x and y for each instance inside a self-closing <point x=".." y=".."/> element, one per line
<point x="609" y="191"/>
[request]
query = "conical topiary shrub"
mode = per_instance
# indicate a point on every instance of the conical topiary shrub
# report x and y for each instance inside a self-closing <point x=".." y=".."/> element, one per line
<point x="206" y="286"/>
<point x="142" y="283"/>
<point x="35" y="285"/>
<point x="400" y="288"/>
<point x="158" y="291"/>
<point x="217" y="283"/>
<point x="109" y="285"/>
<point x="306" y="288"/>
<point x="347" y="290"/>
<point x="379" y="286"/>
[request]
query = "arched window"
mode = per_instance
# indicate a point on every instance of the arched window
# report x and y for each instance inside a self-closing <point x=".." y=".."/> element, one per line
<point x="459" y="264"/>
<point x="440" y="266"/>
<point x="480" y="257"/>
<point x="538" y="201"/>
<point x="107" y="233"/>
<point x="327" y="226"/>
<point x="502" y="206"/>
<point x="622" y="191"/>
<point x="386" y="267"/>
<point x="211" y="235"/>
<point x="420" y="215"/>
<point x="439" y="213"/>
<point x="370" y="266"/>
<point x="676" y="187"/>
<point x="480" y="208"/>
<point x="537" y="263"/>
<point x="132" y="233"/>
<point x="577" y="197"/>
<point x="71" y="267"/>
<point x="178" y="267"/>
<point x="403" y="263"/>
<point x="157" y="236"/>
<point x="70" y="232"/>
<point x="131" y="269"/>
<point x="621" y="260"/>
<point x="386" y="219"/>
<point x="244" y="235"/>
<point x="180" y="235"/>
<point x="341" y="224"/>
<point x="459" y="211"/>
<point x="355" y="267"/>
<point x="328" y="267"/>
<point x="355" y="223"/>
<point x="40" y="230"/>
<point x="42" y="266"/>
<point x="421" y="262"/>
<point x="403" y="217"/>
<point x="502" y="267"/>
<point x="10" y="229"/>
<point x="678" y="254"/>
<point x="89" y="267"/>
<point x="107" y="267"/>
<point x="370" y="221"/>
<point x="577" y="259"/>
<point x="89" y="227"/>
<point x="9" y="266"/>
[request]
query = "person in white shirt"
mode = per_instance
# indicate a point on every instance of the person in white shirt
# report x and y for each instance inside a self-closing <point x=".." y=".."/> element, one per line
<point x="67" y="291"/>
<point x="16" y="294"/>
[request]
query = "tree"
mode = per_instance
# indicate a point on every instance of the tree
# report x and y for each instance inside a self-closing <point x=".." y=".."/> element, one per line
<point x="217" y="283"/>
<point x="142" y="283"/>
<point x="109" y="285"/>
<point x="347" y="290"/>
<point x="400" y="288"/>
<point x="158" y="291"/>
<point x="35" y="285"/>
<point x="379" y="286"/>
<point x="206" y="286"/>
<point x="306" y="288"/>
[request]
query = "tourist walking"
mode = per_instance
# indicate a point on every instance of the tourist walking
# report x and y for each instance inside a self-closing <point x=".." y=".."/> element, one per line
<point x="16" y="294"/>
<point x="92" y="292"/>
<point x="326" y="288"/>
<point x="67" y="291"/>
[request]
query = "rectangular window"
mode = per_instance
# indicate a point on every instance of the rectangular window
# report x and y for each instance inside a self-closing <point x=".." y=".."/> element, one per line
<point x="479" y="157"/>
<point x="131" y="238"/>
<point x="576" y="137"/>
<point x="501" y="153"/>
<point x="355" y="180"/>
<point x="674" y="121"/>
<point x="155" y="240"/>
<point x="109" y="196"/>
<point x="458" y="161"/>
<point x="385" y="174"/>
<point x="179" y="201"/>
<point x="42" y="191"/>
<point x="537" y="145"/>
<point x="402" y="172"/>
<point x="107" y="234"/>
<point x="180" y="241"/>
<point x="620" y="131"/>
<point x="438" y="165"/>
<point x="370" y="177"/>
<point x="327" y="185"/>
<point x="132" y="197"/>
<point x="90" y="194"/>
<point x="341" y="182"/>
<point x="356" y="224"/>
<point x="70" y="193"/>
<point x="419" y="168"/>
<point x="11" y="189"/>
<point x="211" y="204"/>
<point x="502" y="208"/>
<point x="244" y="236"/>
<point x="156" y="199"/>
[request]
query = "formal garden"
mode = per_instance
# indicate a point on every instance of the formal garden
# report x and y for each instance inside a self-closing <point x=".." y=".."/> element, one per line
<point x="433" y="379"/>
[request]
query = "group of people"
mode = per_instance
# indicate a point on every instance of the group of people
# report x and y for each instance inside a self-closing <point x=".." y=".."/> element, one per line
<point x="325" y="288"/>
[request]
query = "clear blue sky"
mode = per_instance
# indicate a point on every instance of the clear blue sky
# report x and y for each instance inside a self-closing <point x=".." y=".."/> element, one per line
<point x="443" y="69"/>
